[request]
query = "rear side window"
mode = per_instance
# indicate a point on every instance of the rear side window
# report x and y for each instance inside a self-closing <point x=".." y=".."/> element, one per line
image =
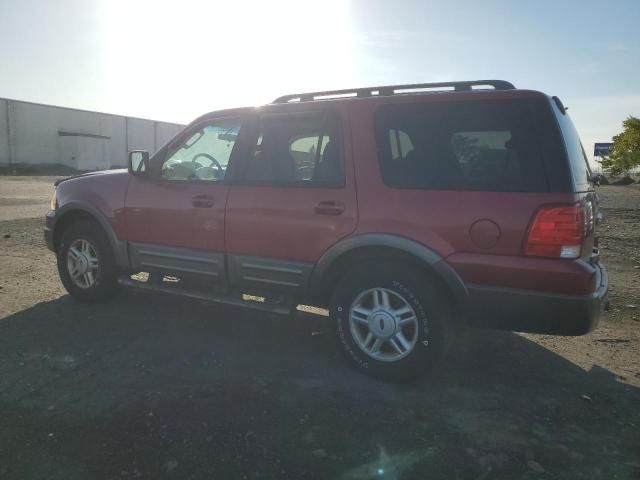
<point x="296" y="149"/>
<point x="481" y="146"/>
<point x="580" y="171"/>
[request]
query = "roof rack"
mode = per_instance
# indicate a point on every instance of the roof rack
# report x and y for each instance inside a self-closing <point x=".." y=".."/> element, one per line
<point x="394" y="90"/>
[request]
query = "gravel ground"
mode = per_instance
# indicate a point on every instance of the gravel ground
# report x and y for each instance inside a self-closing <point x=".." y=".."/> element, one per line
<point x="155" y="387"/>
<point x="24" y="197"/>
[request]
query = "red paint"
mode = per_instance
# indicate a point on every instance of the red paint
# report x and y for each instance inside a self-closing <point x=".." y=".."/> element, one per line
<point x="175" y="213"/>
<point x="292" y="223"/>
<point x="105" y="191"/>
<point x="549" y="275"/>
<point x="300" y="224"/>
<point x="282" y="222"/>
<point x="485" y="233"/>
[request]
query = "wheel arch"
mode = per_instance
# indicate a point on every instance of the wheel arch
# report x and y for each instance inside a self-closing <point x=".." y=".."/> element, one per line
<point x="75" y="211"/>
<point x="333" y="263"/>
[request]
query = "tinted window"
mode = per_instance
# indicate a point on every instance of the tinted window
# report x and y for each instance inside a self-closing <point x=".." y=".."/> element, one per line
<point x="400" y="143"/>
<point x="578" y="162"/>
<point x="203" y="154"/>
<point x="486" y="146"/>
<point x="297" y="149"/>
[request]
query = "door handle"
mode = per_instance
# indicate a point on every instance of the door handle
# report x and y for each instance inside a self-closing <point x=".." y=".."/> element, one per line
<point x="329" y="207"/>
<point x="202" y="201"/>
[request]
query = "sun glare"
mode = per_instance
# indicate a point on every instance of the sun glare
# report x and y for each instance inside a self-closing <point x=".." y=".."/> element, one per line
<point x="177" y="60"/>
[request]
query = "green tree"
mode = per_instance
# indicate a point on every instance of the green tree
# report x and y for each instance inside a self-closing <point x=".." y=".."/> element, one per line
<point x="625" y="153"/>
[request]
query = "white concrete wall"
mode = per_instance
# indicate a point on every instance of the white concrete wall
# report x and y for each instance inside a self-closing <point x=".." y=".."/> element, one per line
<point x="141" y="134"/>
<point x="4" y="132"/>
<point x="44" y="135"/>
<point x="164" y="133"/>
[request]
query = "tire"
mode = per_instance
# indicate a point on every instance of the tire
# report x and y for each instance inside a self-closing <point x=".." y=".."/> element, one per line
<point x="426" y="338"/>
<point x="104" y="276"/>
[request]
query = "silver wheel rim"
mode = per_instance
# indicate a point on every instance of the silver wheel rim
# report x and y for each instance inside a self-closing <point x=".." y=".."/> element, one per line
<point x="383" y="324"/>
<point x="82" y="263"/>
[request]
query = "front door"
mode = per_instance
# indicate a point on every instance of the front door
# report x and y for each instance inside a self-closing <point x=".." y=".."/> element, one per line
<point x="175" y="215"/>
<point x="295" y="199"/>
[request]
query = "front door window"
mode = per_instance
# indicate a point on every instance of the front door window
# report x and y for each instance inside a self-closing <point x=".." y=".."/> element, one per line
<point x="205" y="153"/>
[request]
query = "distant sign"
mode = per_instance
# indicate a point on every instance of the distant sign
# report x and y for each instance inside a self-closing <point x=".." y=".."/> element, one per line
<point x="602" y="149"/>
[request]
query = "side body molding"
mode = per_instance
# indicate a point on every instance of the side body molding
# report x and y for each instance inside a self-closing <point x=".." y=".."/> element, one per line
<point x="432" y="260"/>
<point x="119" y="246"/>
<point x="179" y="261"/>
<point x="276" y="274"/>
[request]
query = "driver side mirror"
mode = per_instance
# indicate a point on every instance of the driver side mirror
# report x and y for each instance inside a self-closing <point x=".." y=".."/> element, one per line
<point x="138" y="162"/>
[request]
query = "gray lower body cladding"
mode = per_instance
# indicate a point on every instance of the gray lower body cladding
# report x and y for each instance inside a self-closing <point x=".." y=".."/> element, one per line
<point x="537" y="312"/>
<point x="238" y="271"/>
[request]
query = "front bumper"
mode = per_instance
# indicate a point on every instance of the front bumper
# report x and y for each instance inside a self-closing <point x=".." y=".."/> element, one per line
<point x="50" y="220"/>
<point x="538" y="312"/>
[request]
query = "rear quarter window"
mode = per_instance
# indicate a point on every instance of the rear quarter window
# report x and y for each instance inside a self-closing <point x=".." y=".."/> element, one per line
<point x="471" y="145"/>
<point x="578" y="163"/>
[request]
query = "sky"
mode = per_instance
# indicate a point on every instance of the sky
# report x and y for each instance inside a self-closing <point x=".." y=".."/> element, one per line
<point x="175" y="60"/>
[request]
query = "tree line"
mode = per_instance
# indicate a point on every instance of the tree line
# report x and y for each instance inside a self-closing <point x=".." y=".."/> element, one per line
<point x="624" y="155"/>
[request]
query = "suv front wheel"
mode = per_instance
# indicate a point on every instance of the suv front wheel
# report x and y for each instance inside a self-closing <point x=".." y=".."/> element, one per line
<point x="393" y="322"/>
<point x="86" y="263"/>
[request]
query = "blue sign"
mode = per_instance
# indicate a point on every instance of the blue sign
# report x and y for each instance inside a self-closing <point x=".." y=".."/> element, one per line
<point x="602" y="149"/>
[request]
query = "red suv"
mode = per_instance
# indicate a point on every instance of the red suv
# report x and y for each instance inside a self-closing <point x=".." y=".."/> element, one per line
<point x="409" y="211"/>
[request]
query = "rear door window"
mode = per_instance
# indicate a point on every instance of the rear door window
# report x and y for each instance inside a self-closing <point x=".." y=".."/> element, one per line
<point x="296" y="149"/>
<point x="480" y="146"/>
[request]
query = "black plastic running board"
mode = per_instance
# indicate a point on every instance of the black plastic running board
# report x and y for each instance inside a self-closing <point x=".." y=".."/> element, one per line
<point x="209" y="297"/>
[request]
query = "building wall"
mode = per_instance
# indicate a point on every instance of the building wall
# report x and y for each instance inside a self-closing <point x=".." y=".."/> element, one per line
<point x="4" y="132"/>
<point x="37" y="134"/>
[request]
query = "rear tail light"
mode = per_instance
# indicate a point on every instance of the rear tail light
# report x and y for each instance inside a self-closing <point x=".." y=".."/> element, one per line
<point x="559" y="232"/>
<point x="589" y="218"/>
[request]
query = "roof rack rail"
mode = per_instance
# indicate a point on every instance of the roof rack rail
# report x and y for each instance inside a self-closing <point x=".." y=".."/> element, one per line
<point x="394" y="90"/>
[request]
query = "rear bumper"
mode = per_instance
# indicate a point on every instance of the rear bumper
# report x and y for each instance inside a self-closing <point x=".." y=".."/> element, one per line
<point x="538" y="312"/>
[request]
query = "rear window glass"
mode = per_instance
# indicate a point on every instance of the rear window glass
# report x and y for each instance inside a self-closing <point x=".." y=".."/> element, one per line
<point x="301" y="150"/>
<point x="482" y="146"/>
<point x="578" y="162"/>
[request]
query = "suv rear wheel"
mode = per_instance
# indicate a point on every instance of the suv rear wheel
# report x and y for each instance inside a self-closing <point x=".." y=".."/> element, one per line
<point x="86" y="263"/>
<point x="393" y="322"/>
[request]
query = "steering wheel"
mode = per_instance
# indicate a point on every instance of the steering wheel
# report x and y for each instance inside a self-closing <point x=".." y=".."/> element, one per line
<point x="214" y="163"/>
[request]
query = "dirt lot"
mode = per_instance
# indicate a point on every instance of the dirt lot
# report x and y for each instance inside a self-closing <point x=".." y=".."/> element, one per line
<point x="155" y="387"/>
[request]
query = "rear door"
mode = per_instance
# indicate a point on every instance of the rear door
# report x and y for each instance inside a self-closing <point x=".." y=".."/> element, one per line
<point x="296" y="198"/>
